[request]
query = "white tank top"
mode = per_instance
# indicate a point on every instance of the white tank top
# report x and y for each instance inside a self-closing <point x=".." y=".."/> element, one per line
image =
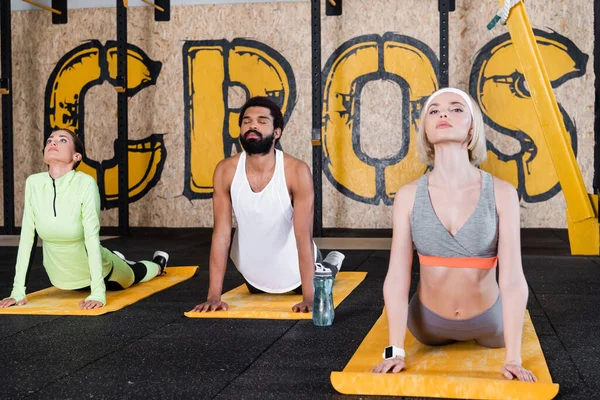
<point x="264" y="246"/>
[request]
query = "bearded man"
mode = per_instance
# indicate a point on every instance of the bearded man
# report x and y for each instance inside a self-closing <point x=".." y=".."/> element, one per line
<point x="272" y="196"/>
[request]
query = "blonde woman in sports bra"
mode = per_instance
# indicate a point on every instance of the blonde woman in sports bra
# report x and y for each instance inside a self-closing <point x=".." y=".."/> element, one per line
<point x="464" y="224"/>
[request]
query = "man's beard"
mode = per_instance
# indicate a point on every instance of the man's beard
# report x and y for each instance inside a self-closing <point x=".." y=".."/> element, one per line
<point x="257" y="146"/>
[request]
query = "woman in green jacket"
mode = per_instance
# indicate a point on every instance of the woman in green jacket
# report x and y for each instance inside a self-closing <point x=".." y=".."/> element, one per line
<point x="63" y="207"/>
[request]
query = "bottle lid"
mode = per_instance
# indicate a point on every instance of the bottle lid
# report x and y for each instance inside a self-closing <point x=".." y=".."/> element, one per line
<point x="320" y="270"/>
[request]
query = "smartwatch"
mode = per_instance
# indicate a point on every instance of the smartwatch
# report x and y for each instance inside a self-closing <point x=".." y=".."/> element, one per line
<point x="393" y="351"/>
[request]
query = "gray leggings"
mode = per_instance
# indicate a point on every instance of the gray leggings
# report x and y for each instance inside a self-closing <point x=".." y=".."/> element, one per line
<point x="434" y="330"/>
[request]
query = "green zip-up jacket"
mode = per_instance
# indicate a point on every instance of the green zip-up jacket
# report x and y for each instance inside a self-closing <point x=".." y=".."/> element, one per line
<point x="65" y="212"/>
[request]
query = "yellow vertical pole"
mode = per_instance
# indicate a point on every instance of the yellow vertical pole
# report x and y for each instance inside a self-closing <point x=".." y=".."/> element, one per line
<point x="582" y="208"/>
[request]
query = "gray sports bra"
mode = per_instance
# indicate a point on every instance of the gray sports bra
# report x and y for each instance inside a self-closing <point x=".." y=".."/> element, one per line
<point x="475" y="245"/>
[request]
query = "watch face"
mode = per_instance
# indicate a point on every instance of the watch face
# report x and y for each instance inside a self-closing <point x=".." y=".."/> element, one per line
<point x="389" y="352"/>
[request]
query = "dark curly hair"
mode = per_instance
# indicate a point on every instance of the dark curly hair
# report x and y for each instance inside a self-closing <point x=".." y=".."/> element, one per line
<point x="261" y="101"/>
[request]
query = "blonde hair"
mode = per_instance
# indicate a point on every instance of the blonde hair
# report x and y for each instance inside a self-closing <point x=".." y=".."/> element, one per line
<point x="477" y="146"/>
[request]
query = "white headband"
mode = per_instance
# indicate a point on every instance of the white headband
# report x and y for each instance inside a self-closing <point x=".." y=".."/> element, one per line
<point x="459" y="92"/>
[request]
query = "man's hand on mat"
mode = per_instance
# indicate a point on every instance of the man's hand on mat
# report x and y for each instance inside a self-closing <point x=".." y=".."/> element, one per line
<point x="211" y="305"/>
<point x="303" y="306"/>
<point x="511" y="371"/>
<point x="394" y="365"/>
<point x="90" y="304"/>
<point x="9" y="301"/>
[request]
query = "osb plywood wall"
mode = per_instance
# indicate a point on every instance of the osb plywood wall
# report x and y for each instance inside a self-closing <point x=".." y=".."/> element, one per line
<point x="380" y="60"/>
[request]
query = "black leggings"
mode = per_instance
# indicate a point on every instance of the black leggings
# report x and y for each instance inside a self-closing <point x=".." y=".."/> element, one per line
<point x="139" y="272"/>
<point x="122" y="275"/>
<point x="298" y="290"/>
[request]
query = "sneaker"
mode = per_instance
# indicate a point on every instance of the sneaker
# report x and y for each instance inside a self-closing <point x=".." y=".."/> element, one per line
<point x="334" y="260"/>
<point x="161" y="258"/>
<point x="122" y="257"/>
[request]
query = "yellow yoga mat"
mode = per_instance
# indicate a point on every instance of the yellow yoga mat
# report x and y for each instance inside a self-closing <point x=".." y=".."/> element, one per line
<point x="53" y="301"/>
<point x="242" y="304"/>
<point x="462" y="370"/>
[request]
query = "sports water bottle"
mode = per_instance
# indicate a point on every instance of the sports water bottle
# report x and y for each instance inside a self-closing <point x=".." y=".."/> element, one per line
<point x="323" y="310"/>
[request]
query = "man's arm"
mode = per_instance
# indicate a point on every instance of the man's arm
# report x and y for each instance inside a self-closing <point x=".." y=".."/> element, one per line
<point x="303" y="198"/>
<point x="221" y="238"/>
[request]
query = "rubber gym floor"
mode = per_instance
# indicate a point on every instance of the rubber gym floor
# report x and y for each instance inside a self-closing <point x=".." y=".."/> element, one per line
<point x="151" y="350"/>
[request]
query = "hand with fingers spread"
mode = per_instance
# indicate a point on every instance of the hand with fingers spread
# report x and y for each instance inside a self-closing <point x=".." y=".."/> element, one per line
<point x="211" y="305"/>
<point x="90" y="304"/>
<point x="394" y="365"/>
<point x="9" y="302"/>
<point x="303" y="307"/>
<point x="515" y="370"/>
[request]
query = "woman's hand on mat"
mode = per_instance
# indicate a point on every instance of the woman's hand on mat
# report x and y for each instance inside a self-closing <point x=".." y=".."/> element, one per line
<point x="304" y="306"/>
<point x="394" y="365"/>
<point x="511" y="371"/>
<point x="9" y="301"/>
<point x="90" y="304"/>
<point x="211" y="305"/>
